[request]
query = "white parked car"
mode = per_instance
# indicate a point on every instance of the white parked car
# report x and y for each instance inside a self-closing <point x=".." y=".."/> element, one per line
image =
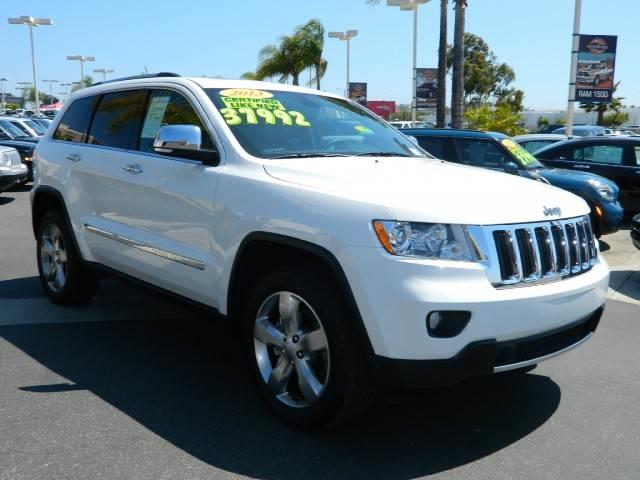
<point x="12" y="170"/>
<point x="349" y="257"/>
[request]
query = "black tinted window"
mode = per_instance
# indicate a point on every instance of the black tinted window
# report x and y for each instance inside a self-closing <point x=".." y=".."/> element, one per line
<point x="482" y="153"/>
<point x="166" y="107"/>
<point x="73" y="126"/>
<point x="438" y="147"/>
<point x="117" y="119"/>
<point x="610" y="154"/>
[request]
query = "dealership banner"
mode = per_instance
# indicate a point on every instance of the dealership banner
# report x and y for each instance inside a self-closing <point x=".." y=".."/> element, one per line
<point x="426" y="87"/>
<point x="595" y="68"/>
<point x="358" y="92"/>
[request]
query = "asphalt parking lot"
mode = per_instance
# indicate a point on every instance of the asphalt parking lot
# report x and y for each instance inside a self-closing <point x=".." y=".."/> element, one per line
<point x="132" y="386"/>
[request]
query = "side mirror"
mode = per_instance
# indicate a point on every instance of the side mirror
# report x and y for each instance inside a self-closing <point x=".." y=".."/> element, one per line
<point x="172" y="138"/>
<point x="184" y="141"/>
<point x="511" y="167"/>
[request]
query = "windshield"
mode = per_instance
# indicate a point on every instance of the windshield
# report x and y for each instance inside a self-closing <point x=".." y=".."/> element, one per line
<point x="279" y="124"/>
<point x="520" y="156"/>
<point x="11" y="129"/>
<point x="36" y="127"/>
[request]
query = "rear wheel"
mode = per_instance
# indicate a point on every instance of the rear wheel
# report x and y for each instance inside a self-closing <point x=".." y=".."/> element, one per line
<point x="64" y="278"/>
<point x="308" y="361"/>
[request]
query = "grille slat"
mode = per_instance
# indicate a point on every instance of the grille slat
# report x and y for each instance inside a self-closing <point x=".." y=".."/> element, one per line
<point x="543" y="252"/>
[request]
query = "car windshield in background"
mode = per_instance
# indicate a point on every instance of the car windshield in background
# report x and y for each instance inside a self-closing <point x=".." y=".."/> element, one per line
<point x="280" y="124"/>
<point x="11" y="129"/>
<point x="36" y="127"/>
<point x="523" y="158"/>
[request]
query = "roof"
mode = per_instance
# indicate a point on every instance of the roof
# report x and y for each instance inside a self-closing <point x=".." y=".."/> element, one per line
<point x="204" y="82"/>
<point x="445" y="132"/>
<point x="541" y="136"/>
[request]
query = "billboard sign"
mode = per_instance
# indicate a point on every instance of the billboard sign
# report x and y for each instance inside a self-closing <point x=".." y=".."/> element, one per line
<point x="358" y="92"/>
<point x="382" y="108"/>
<point x="426" y="87"/>
<point x="595" y="68"/>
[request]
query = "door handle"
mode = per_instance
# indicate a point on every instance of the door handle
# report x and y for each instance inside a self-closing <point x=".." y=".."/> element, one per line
<point x="74" y="157"/>
<point x="132" y="168"/>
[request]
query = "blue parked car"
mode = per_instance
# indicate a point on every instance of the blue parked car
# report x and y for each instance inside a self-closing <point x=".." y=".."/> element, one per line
<point x="498" y="152"/>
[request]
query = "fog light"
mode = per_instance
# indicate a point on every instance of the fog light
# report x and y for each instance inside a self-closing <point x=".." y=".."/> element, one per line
<point x="447" y="323"/>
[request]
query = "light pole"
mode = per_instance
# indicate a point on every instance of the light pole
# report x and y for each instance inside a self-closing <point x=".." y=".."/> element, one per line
<point x="345" y="36"/>
<point x="104" y="72"/>
<point x="411" y="5"/>
<point x="81" y="59"/>
<point x="50" y="82"/>
<point x="63" y="96"/>
<point x="24" y="88"/>
<point x="574" y="60"/>
<point x="32" y="22"/>
<point x="2" y="80"/>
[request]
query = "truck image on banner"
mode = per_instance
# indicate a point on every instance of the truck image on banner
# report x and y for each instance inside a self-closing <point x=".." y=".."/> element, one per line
<point x="595" y="68"/>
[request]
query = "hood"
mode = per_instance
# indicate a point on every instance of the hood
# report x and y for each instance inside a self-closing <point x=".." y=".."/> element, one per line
<point x="426" y="190"/>
<point x="572" y="179"/>
<point x="18" y="144"/>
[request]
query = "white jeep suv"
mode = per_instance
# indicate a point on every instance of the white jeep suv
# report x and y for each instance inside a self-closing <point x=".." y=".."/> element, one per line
<point x="349" y="257"/>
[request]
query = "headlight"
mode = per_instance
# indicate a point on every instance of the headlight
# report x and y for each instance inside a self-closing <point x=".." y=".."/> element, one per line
<point x="604" y="190"/>
<point x="5" y="160"/>
<point x="425" y="240"/>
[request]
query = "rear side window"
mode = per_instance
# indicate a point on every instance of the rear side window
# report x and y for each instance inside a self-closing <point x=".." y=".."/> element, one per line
<point x="167" y="107"/>
<point x="117" y="119"/>
<point x="73" y="126"/>
<point x="438" y="147"/>
<point x="609" y="154"/>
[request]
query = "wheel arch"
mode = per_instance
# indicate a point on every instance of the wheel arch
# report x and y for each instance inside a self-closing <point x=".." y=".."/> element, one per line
<point x="259" y="252"/>
<point x="46" y="199"/>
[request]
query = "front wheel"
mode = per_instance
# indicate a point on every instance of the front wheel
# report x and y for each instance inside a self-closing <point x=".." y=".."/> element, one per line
<point x="307" y="359"/>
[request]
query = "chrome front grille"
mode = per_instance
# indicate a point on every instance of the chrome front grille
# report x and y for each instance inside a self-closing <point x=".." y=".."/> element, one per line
<point x="540" y="252"/>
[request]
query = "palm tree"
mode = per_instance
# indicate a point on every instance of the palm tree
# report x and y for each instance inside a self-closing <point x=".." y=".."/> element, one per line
<point x="283" y="61"/>
<point x="311" y="37"/>
<point x="441" y="105"/>
<point x="457" y="94"/>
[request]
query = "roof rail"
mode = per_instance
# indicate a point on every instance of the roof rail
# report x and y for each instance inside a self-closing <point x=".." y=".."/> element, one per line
<point x="135" y="77"/>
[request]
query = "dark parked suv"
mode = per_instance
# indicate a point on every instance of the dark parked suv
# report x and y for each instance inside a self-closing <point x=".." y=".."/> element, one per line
<point x="615" y="158"/>
<point x="498" y="152"/>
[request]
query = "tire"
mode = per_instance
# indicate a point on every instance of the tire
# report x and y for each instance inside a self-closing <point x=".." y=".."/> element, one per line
<point x="64" y="277"/>
<point x="325" y="343"/>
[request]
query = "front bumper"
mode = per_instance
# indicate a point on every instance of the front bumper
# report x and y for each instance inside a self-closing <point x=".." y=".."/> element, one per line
<point x="610" y="220"/>
<point x="394" y="296"/>
<point x="486" y="357"/>
<point x="12" y="176"/>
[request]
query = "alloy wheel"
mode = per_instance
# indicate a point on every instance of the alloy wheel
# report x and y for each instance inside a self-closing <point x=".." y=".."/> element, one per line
<point x="53" y="258"/>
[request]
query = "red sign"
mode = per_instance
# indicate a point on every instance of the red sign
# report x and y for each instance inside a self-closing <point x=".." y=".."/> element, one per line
<point x="382" y="108"/>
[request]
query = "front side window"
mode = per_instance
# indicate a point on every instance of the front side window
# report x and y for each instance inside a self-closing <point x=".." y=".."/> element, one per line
<point x="482" y="153"/>
<point x="117" y="118"/>
<point x="607" y="154"/>
<point x="75" y="122"/>
<point x="535" y="145"/>
<point x="166" y="107"/>
<point x="280" y="124"/>
<point x="438" y="147"/>
<point x="637" y="154"/>
<point x="36" y="127"/>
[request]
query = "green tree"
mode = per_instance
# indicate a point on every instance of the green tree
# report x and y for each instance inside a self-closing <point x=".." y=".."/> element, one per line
<point x="510" y="97"/>
<point x="601" y="108"/>
<point x="542" y="122"/>
<point x="249" y="76"/>
<point x="11" y="106"/>
<point x="499" y="119"/>
<point x="484" y="76"/>
<point x="87" y="81"/>
<point x="294" y="54"/>
<point x="615" y="119"/>
<point x="441" y="104"/>
<point x="44" y="98"/>
<point x="457" y="93"/>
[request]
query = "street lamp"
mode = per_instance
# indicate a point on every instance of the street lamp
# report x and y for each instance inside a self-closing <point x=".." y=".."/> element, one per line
<point x="104" y="72"/>
<point x="32" y="22"/>
<point x="411" y="5"/>
<point x="81" y="59"/>
<point x="577" y="12"/>
<point x="345" y="36"/>
<point x="50" y="82"/>
<point x="2" y="80"/>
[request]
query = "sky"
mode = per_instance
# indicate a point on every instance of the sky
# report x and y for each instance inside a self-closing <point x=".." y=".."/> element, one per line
<point x="223" y="37"/>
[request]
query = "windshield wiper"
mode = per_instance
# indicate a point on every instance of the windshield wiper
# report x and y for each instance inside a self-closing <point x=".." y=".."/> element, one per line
<point x="381" y="154"/>
<point x="309" y="155"/>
